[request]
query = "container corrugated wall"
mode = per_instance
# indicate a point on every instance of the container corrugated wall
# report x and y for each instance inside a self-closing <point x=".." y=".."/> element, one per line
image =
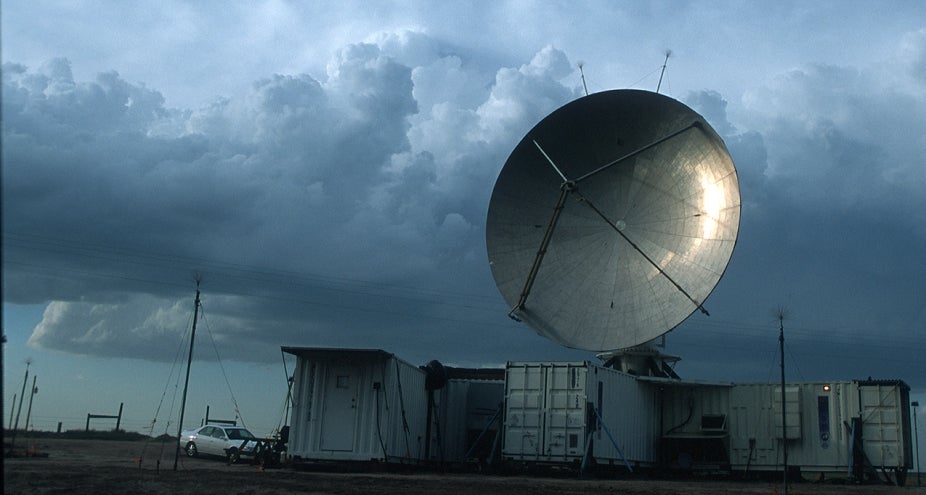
<point x="405" y="413"/>
<point x="629" y="411"/>
<point x="693" y="409"/>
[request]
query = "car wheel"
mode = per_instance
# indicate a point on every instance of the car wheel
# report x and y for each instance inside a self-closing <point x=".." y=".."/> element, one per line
<point x="233" y="455"/>
<point x="191" y="450"/>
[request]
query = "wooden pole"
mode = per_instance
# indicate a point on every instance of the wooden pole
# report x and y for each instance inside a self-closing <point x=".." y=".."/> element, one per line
<point x="20" y="408"/>
<point x="29" y="410"/>
<point x="119" y="417"/>
<point x="12" y="408"/>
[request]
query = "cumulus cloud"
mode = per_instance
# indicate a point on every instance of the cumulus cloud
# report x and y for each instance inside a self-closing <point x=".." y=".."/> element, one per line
<point x="831" y="180"/>
<point x="142" y="326"/>
<point x="913" y="54"/>
<point x="841" y="141"/>
<point x="312" y="203"/>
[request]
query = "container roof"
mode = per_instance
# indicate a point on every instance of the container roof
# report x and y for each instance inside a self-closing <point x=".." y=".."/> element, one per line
<point x="317" y="351"/>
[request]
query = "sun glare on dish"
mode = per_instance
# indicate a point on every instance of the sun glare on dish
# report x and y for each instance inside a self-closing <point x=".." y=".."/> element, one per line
<point x="711" y="204"/>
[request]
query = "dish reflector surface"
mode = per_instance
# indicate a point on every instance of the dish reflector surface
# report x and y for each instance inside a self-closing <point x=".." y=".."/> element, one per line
<point x="613" y="219"/>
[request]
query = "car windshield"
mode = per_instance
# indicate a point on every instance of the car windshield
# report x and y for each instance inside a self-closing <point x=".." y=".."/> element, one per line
<point x="239" y="434"/>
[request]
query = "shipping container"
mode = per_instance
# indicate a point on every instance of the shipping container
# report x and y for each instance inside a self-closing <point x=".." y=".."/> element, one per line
<point x="829" y="427"/>
<point x="558" y="412"/>
<point x="356" y="405"/>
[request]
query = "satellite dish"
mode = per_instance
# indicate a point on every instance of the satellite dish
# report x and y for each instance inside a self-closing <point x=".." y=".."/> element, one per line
<point x="613" y="219"/>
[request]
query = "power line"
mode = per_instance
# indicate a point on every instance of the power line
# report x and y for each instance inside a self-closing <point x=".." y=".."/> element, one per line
<point x="222" y="368"/>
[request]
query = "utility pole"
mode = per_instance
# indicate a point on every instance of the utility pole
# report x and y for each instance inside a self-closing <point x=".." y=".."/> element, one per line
<point x="12" y="408"/>
<point x="31" y="396"/>
<point x="186" y="383"/>
<point x="20" y="409"/>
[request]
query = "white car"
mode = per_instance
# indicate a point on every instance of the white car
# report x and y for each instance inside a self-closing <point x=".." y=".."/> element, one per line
<point x="230" y="442"/>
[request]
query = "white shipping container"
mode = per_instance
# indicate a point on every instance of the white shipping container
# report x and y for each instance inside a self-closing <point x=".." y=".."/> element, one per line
<point x="356" y="405"/>
<point x="819" y="419"/>
<point x="550" y="414"/>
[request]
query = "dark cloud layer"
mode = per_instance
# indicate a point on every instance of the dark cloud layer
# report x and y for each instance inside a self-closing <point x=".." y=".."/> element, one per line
<point x="350" y="210"/>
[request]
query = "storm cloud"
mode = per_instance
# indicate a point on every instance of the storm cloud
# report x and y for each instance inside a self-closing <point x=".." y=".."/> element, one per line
<point x="348" y="209"/>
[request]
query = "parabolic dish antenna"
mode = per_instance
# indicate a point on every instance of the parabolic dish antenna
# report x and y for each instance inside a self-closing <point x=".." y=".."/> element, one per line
<point x="613" y="219"/>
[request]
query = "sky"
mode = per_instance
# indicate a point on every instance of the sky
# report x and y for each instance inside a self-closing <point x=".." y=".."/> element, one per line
<point x="324" y="169"/>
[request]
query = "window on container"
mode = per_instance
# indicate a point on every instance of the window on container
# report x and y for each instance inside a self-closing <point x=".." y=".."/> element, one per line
<point x="714" y="422"/>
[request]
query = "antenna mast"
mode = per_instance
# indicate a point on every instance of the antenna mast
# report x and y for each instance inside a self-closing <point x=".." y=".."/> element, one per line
<point x="186" y="383"/>
<point x="664" y="64"/>
<point x="784" y="424"/>
<point x="584" y="86"/>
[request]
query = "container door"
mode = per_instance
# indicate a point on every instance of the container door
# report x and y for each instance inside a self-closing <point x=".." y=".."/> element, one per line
<point x="524" y="411"/>
<point x="882" y="428"/>
<point x="340" y="411"/>
<point x="564" y="428"/>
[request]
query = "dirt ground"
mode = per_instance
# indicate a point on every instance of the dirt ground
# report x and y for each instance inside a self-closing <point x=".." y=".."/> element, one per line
<point x="96" y="467"/>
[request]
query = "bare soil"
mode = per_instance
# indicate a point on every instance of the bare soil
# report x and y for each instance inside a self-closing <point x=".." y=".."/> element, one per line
<point x="63" y="466"/>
